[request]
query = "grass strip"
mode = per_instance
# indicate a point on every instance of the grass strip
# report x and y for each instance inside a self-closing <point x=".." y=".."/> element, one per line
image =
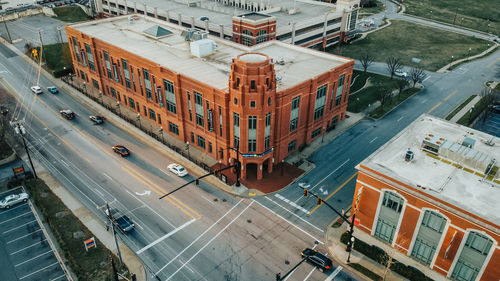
<point x="365" y="271"/>
<point x="395" y="101"/>
<point x="458" y="108"/>
<point x="71" y="13"/>
<point x="478" y="108"/>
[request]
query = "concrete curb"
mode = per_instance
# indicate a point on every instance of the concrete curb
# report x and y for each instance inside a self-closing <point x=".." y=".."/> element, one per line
<point x="460" y="61"/>
<point x="392" y="109"/>
<point x="8" y="159"/>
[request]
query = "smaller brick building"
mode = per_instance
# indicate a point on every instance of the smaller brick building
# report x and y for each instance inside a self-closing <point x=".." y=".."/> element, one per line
<point x="432" y="192"/>
<point x="253" y="28"/>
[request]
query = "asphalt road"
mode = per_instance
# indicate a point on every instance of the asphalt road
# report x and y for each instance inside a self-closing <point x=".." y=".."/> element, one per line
<point x="200" y="233"/>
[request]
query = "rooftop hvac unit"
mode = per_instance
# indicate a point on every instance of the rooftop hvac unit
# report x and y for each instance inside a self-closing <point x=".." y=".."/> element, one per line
<point x="469" y="142"/>
<point x="203" y="47"/>
<point x="409" y="155"/>
<point x="432" y="144"/>
<point x="193" y="34"/>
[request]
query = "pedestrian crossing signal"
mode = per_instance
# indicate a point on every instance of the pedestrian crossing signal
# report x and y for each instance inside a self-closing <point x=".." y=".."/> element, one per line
<point x="320" y="201"/>
<point x="306" y="192"/>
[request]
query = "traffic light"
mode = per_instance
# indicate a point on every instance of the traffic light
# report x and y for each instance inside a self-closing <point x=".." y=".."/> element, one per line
<point x="278" y="276"/>
<point x="197" y="181"/>
<point x="320" y="201"/>
<point x="306" y="192"/>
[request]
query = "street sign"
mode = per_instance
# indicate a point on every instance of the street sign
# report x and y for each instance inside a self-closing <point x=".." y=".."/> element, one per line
<point x="89" y="243"/>
<point x="18" y="170"/>
<point x="357" y="221"/>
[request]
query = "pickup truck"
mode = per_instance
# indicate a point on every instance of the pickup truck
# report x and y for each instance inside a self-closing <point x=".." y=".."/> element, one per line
<point x="123" y="222"/>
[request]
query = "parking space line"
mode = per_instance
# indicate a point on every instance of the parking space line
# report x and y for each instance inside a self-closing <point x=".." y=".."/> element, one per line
<point x="33" y="258"/>
<point x="37" y="243"/>
<point x="15" y="217"/>
<point x="11" y="241"/>
<point x="12" y="208"/>
<point x="38" y="270"/>
<point x="12" y="229"/>
<point x="58" y="277"/>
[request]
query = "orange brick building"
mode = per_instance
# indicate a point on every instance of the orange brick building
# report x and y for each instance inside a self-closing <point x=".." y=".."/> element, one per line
<point x="432" y="192"/>
<point x="268" y="100"/>
<point x="253" y="28"/>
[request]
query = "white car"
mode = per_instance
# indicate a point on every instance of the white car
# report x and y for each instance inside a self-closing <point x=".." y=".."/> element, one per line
<point x="400" y="73"/>
<point x="36" y="89"/>
<point x="13" y="199"/>
<point x="177" y="169"/>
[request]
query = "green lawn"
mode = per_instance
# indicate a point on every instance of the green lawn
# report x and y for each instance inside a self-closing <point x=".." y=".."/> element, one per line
<point x="70" y="14"/>
<point x="369" y="95"/>
<point x="468" y="13"/>
<point x="405" y="40"/>
<point x="57" y="56"/>
<point x="365" y="11"/>
<point x="381" y="110"/>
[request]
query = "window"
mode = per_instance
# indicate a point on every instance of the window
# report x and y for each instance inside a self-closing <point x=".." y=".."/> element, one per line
<point x="192" y="137"/>
<point x="294" y="114"/>
<point x="269" y="101"/>
<point x="479" y="243"/>
<point x="252" y="104"/>
<point x="340" y="87"/>
<point x="316" y="133"/>
<point x="82" y="74"/>
<point x="252" y="133"/>
<point x="126" y="74"/>
<point x="170" y="96"/>
<point x="291" y="146"/>
<point x="145" y="110"/>
<point x="235" y="101"/>
<point x="201" y="142"/>
<point x="320" y="102"/>
<point x="261" y="36"/>
<point x="267" y="131"/>
<point x="132" y="77"/>
<point x="159" y="118"/>
<point x="267" y="142"/>
<point x="220" y="121"/>
<point x="115" y="73"/>
<point x="209" y="147"/>
<point x="173" y="128"/>
<point x="131" y="103"/>
<point x="236" y="141"/>
<point x="236" y="119"/>
<point x="113" y="92"/>
<point x="252" y="85"/>
<point x="147" y="84"/>
<point x="77" y="50"/>
<point x="393" y="201"/>
<point x="152" y="114"/>
<point x="189" y="107"/>
<point x="252" y="122"/>
<point x="198" y="103"/>
<point x="268" y="119"/>
<point x="247" y="37"/>
<point x="252" y="145"/>
<point x="236" y="128"/>
<point x="95" y="84"/>
<point x="90" y="57"/>
<point x="108" y="64"/>
<point x="472" y="257"/>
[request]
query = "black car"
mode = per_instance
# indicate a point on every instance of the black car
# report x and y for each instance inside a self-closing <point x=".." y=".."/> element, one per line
<point x="122" y="150"/>
<point x="68" y="114"/>
<point x="96" y="119"/>
<point x="316" y="258"/>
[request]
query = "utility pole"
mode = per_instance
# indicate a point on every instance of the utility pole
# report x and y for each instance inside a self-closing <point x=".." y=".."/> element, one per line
<point x="19" y="129"/>
<point x="7" y="29"/>
<point x="41" y="56"/>
<point x="112" y="221"/>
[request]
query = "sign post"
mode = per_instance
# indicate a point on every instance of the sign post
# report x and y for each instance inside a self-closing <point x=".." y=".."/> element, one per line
<point x="89" y="243"/>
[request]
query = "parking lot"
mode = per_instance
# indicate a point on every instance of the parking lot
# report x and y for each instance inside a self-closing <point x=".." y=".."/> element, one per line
<point x="26" y="252"/>
<point x="491" y="125"/>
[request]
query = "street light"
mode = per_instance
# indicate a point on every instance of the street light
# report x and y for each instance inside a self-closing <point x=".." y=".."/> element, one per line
<point x="357" y="104"/>
<point x="19" y="129"/>
<point x="161" y="133"/>
<point x="351" y="247"/>
<point x="187" y="148"/>
<point x="118" y="108"/>
<point x="452" y="59"/>
<point x="470" y="113"/>
<point x="138" y="118"/>
<point x="100" y="97"/>
<point x="469" y="52"/>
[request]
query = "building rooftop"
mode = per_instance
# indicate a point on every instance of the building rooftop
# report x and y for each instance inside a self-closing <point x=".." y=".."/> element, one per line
<point x="254" y="16"/>
<point x="449" y="163"/>
<point x="173" y="52"/>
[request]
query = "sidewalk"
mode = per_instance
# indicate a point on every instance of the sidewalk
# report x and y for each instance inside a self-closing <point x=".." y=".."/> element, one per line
<point x="465" y="109"/>
<point x="338" y="253"/>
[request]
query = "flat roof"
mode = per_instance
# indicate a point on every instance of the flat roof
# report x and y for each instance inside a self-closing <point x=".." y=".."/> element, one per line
<point x="254" y="16"/>
<point x="308" y="12"/>
<point x="438" y="175"/>
<point x="173" y="52"/>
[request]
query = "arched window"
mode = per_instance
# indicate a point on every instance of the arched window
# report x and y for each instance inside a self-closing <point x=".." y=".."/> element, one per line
<point x="388" y="217"/>
<point x="247" y="38"/>
<point x="261" y="36"/>
<point x="428" y="236"/>
<point x="472" y="257"/>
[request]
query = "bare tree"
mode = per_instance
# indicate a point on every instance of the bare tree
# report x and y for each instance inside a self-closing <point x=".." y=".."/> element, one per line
<point x="28" y="47"/>
<point x="417" y="74"/>
<point x="402" y="83"/>
<point x="384" y="95"/>
<point x="366" y="60"/>
<point x="393" y="64"/>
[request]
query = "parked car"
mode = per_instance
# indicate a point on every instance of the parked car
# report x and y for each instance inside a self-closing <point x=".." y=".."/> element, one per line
<point x="316" y="258"/>
<point x="68" y="113"/>
<point x="36" y="89"/>
<point x="13" y="199"/>
<point x="177" y="169"/>
<point x="96" y="119"/>
<point x="123" y="222"/>
<point x="53" y="90"/>
<point x="122" y="150"/>
<point x="204" y="18"/>
<point x="401" y="73"/>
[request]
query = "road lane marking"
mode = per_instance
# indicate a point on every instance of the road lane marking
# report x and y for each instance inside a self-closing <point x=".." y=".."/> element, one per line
<point x="432" y="109"/>
<point x="450" y="95"/>
<point x="295" y="214"/>
<point x="34" y="244"/>
<point x="210" y="241"/>
<point x="335" y="273"/>
<point x="424" y="101"/>
<point x="38" y="270"/>
<point x="400" y="118"/>
<point x="99" y="193"/>
<point x="199" y="236"/>
<point x="310" y="273"/>
<point x="156" y="213"/>
<point x="211" y="202"/>
<point x="428" y="76"/>
<point x="373" y="139"/>
<point x="33" y="258"/>
<point x="492" y="63"/>
<point x="330" y="196"/>
<point x="106" y="175"/>
<point x="295" y="205"/>
<point x="276" y="214"/>
<point x="165" y="236"/>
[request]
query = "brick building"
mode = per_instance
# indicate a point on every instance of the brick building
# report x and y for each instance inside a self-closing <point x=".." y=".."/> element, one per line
<point x="268" y="100"/>
<point x="432" y="192"/>
<point x="253" y="28"/>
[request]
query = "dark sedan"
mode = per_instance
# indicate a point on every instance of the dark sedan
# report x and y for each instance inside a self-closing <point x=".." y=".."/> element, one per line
<point x="122" y="150"/>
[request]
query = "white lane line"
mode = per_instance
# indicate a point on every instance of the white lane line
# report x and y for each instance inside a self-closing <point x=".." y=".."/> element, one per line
<point x="317" y="228"/>
<point x="295" y="205"/>
<point x="310" y="273"/>
<point x="337" y="271"/>
<point x="208" y="199"/>
<point x="106" y="175"/>
<point x="428" y="76"/>
<point x="194" y="241"/>
<point x="210" y="241"/>
<point x="165" y="236"/>
<point x="305" y="232"/>
<point x="400" y="118"/>
<point x="165" y="171"/>
<point x="15" y="217"/>
<point x="154" y="212"/>
<point x="38" y="270"/>
<point x="65" y="164"/>
<point x="33" y="258"/>
<point x="12" y="229"/>
<point x="424" y="101"/>
<point x="11" y="241"/>
<point x="373" y="139"/>
<point x="34" y="244"/>
<point x="58" y="277"/>
<point x="136" y="224"/>
<point x="98" y="192"/>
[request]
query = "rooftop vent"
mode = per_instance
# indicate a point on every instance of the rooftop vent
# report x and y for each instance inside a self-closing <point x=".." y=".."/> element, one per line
<point x="281" y="61"/>
<point x="157" y="32"/>
<point x="469" y="142"/>
<point x="409" y="155"/>
<point x="193" y="34"/>
<point x="204" y="47"/>
<point x="431" y="144"/>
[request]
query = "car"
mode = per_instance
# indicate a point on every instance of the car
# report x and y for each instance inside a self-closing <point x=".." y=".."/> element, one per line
<point x="36" y="89"/>
<point x="123" y="222"/>
<point x="96" y="119"/>
<point x="322" y="262"/>
<point x="4" y="110"/>
<point x="122" y="150"/>
<point x="68" y="113"/>
<point x="177" y="169"/>
<point x="400" y="73"/>
<point x="53" y="90"/>
<point x="204" y="18"/>
<point x="13" y="199"/>
<point x="495" y="108"/>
